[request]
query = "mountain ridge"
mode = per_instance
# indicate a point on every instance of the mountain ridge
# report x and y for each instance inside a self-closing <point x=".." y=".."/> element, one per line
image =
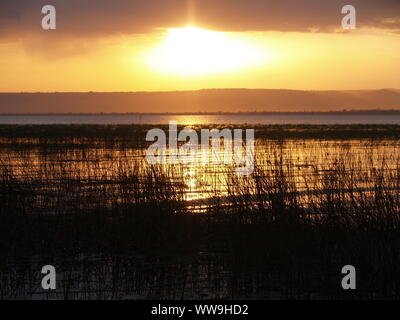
<point x="197" y="101"/>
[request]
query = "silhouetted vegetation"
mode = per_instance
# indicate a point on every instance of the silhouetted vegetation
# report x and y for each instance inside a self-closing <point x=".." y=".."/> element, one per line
<point x="83" y="198"/>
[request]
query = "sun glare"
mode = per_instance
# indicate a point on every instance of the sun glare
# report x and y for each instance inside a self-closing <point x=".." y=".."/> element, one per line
<point x="193" y="51"/>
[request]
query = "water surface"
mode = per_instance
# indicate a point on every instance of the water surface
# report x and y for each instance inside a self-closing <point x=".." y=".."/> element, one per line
<point x="295" y="118"/>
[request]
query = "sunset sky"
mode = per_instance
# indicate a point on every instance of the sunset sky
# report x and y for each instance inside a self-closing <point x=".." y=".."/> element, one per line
<point x="157" y="45"/>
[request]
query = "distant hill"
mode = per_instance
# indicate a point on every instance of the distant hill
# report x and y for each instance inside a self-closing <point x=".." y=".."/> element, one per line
<point x="210" y="100"/>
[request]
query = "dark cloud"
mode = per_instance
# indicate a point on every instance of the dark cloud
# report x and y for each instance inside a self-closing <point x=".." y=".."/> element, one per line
<point x="87" y="18"/>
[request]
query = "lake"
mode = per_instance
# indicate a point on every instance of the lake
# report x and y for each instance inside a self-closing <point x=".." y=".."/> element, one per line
<point x="295" y="118"/>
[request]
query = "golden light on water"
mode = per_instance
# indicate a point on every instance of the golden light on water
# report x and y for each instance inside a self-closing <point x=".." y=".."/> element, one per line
<point x="193" y="51"/>
<point x="193" y="120"/>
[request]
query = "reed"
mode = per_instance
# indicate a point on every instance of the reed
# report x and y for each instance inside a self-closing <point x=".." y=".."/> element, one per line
<point x="85" y="200"/>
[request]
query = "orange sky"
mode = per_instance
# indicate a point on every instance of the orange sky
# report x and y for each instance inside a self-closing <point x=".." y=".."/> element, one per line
<point x="163" y="58"/>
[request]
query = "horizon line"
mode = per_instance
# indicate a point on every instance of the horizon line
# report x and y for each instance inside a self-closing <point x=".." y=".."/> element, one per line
<point x="344" y="111"/>
<point x="191" y="90"/>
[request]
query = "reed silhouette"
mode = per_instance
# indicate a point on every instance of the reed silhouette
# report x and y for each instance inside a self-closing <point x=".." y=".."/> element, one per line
<point x="84" y="199"/>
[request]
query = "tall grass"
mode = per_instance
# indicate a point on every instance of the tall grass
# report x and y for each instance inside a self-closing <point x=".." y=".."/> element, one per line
<point x="117" y="227"/>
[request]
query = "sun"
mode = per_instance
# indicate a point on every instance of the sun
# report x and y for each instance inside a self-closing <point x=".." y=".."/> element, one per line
<point x="193" y="51"/>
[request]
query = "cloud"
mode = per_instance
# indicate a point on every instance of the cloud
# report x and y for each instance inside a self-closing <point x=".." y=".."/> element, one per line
<point x="91" y="18"/>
